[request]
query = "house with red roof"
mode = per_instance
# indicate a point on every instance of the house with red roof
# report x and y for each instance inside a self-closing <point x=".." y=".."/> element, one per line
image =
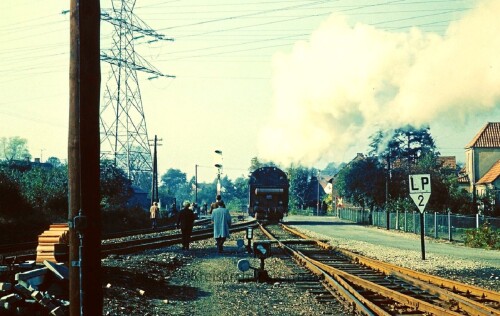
<point x="482" y="166"/>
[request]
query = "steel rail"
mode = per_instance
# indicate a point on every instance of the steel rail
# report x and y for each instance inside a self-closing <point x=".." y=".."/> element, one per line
<point x="436" y="285"/>
<point x="142" y="243"/>
<point x="164" y="241"/>
<point x="440" y="287"/>
<point x="356" y="300"/>
<point x="406" y="300"/>
<point x="31" y="245"/>
<point x="401" y="298"/>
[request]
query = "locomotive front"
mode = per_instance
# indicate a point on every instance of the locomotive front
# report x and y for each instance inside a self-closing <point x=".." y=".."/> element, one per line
<point x="268" y="194"/>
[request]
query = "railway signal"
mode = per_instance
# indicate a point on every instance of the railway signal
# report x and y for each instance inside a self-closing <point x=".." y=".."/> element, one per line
<point x="420" y="192"/>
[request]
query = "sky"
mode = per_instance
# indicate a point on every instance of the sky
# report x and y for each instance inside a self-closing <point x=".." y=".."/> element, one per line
<point x="302" y="81"/>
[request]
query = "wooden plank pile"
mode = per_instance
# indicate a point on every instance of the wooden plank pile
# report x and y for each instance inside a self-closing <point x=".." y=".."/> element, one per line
<point x="56" y="234"/>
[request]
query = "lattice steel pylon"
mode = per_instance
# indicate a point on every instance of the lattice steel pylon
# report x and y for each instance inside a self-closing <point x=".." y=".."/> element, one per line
<point x="124" y="136"/>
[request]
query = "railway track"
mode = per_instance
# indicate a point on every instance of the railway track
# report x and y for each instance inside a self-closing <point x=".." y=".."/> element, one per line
<point x="136" y="240"/>
<point x="371" y="287"/>
<point x="130" y="246"/>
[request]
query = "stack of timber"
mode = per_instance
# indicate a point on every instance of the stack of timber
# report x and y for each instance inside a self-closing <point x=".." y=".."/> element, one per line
<point x="57" y="234"/>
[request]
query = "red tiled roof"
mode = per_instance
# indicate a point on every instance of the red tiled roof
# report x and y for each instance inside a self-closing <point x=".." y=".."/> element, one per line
<point x="447" y="161"/>
<point x="488" y="136"/>
<point x="491" y="175"/>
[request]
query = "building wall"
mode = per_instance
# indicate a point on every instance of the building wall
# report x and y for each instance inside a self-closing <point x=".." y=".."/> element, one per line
<point x="478" y="162"/>
<point x="485" y="159"/>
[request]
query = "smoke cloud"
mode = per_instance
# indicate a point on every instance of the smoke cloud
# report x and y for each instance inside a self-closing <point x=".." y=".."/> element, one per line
<point x="335" y="90"/>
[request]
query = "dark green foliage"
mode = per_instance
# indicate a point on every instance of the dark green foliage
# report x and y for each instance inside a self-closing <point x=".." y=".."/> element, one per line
<point x="257" y="163"/>
<point x="362" y="182"/>
<point x="16" y="212"/>
<point x="409" y="150"/>
<point x="125" y="219"/>
<point x="11" y="198"/>
<point x="404" y="145"/>
<point x="484" y="237"/>
<point x="299" y="178"/>
<point x="116" y="191"/>
<point x="46" y="190"/>
<point x="116" y="188"/>
<point x="173" y="184"/>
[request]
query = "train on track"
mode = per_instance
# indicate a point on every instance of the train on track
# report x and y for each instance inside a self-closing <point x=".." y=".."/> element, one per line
<point x="268" y="194"/>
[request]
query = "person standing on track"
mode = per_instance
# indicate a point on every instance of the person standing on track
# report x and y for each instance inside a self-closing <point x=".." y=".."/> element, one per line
<point x="154" y="211"/>
<point x="213" y="206"/>
<point x="185" y="221"/>
<point x="222" y="221"/>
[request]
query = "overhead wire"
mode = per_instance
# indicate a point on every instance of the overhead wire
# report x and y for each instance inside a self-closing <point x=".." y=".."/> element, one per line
<point x="35" y="57"/>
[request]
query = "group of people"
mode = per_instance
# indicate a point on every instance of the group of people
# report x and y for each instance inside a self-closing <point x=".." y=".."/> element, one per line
<point x="220" y="216"/>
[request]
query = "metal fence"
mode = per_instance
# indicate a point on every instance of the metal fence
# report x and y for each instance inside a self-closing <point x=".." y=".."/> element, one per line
<point x="440" y="226"/>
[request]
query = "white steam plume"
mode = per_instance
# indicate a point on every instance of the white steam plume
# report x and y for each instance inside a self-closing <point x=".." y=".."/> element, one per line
<point x="334" y="91"/>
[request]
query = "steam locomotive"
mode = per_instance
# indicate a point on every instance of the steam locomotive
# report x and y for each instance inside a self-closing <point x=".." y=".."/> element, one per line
<point x="268" y="194"/>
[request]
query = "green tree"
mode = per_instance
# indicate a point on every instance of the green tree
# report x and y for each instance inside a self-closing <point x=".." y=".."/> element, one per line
<point x="255" y="164"/>
<point x="116" y="188"/>
<point x="174" y="185"/>
<point x="14" y="148"/>
<point x="403" y="146"/>
<point x="11" y="198"/>
<point x="241" y="190"/>
<point x="400" y="151"/>
<point x="299" y="178"/>
<point x="16" y="212"/>
<point x="362" y="183"/>
<point x="54" y="161"/>
<point x="46" y="190"/>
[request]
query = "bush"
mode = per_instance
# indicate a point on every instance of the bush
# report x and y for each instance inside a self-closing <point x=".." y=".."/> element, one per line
<point x="124" y="219"/>
<point x="485" y="237"/>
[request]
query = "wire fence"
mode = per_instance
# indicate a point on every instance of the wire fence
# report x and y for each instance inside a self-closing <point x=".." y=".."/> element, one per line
<point x="437" y="225"/>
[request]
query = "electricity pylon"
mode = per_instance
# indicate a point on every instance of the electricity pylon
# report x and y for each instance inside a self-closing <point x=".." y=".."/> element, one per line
<point x="124" y="136"/>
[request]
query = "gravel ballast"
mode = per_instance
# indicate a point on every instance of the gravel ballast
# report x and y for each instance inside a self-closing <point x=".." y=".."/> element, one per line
<point x="170" y="281"/>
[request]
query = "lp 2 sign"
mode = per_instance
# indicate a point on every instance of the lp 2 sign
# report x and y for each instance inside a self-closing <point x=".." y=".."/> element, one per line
<point x="420" y="189"/>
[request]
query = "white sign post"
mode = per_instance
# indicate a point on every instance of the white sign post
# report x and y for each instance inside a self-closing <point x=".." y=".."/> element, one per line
<point x="420" y="192"/>
<point x="420" y="189"/>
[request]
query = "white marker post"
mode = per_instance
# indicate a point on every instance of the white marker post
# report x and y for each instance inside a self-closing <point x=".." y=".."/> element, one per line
<point x="420" y="192"/>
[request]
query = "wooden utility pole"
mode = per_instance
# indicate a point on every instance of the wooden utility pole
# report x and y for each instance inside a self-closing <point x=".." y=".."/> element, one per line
<point x="85" y="291"/>
<point x="196" y="184"/>
<point x="154" y="183"/>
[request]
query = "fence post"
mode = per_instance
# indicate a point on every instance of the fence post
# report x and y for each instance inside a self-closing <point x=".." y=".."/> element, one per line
<point x="435" y="226"/>
<point x="449" y="226"/>
<point x="397" y="220"/>
<point x="414" y="228"/>
<point x="388" y="219"/>
<point x="406" y="223"/>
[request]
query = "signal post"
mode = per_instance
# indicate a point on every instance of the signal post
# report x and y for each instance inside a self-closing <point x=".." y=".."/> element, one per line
<point x="420" y="192"/>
